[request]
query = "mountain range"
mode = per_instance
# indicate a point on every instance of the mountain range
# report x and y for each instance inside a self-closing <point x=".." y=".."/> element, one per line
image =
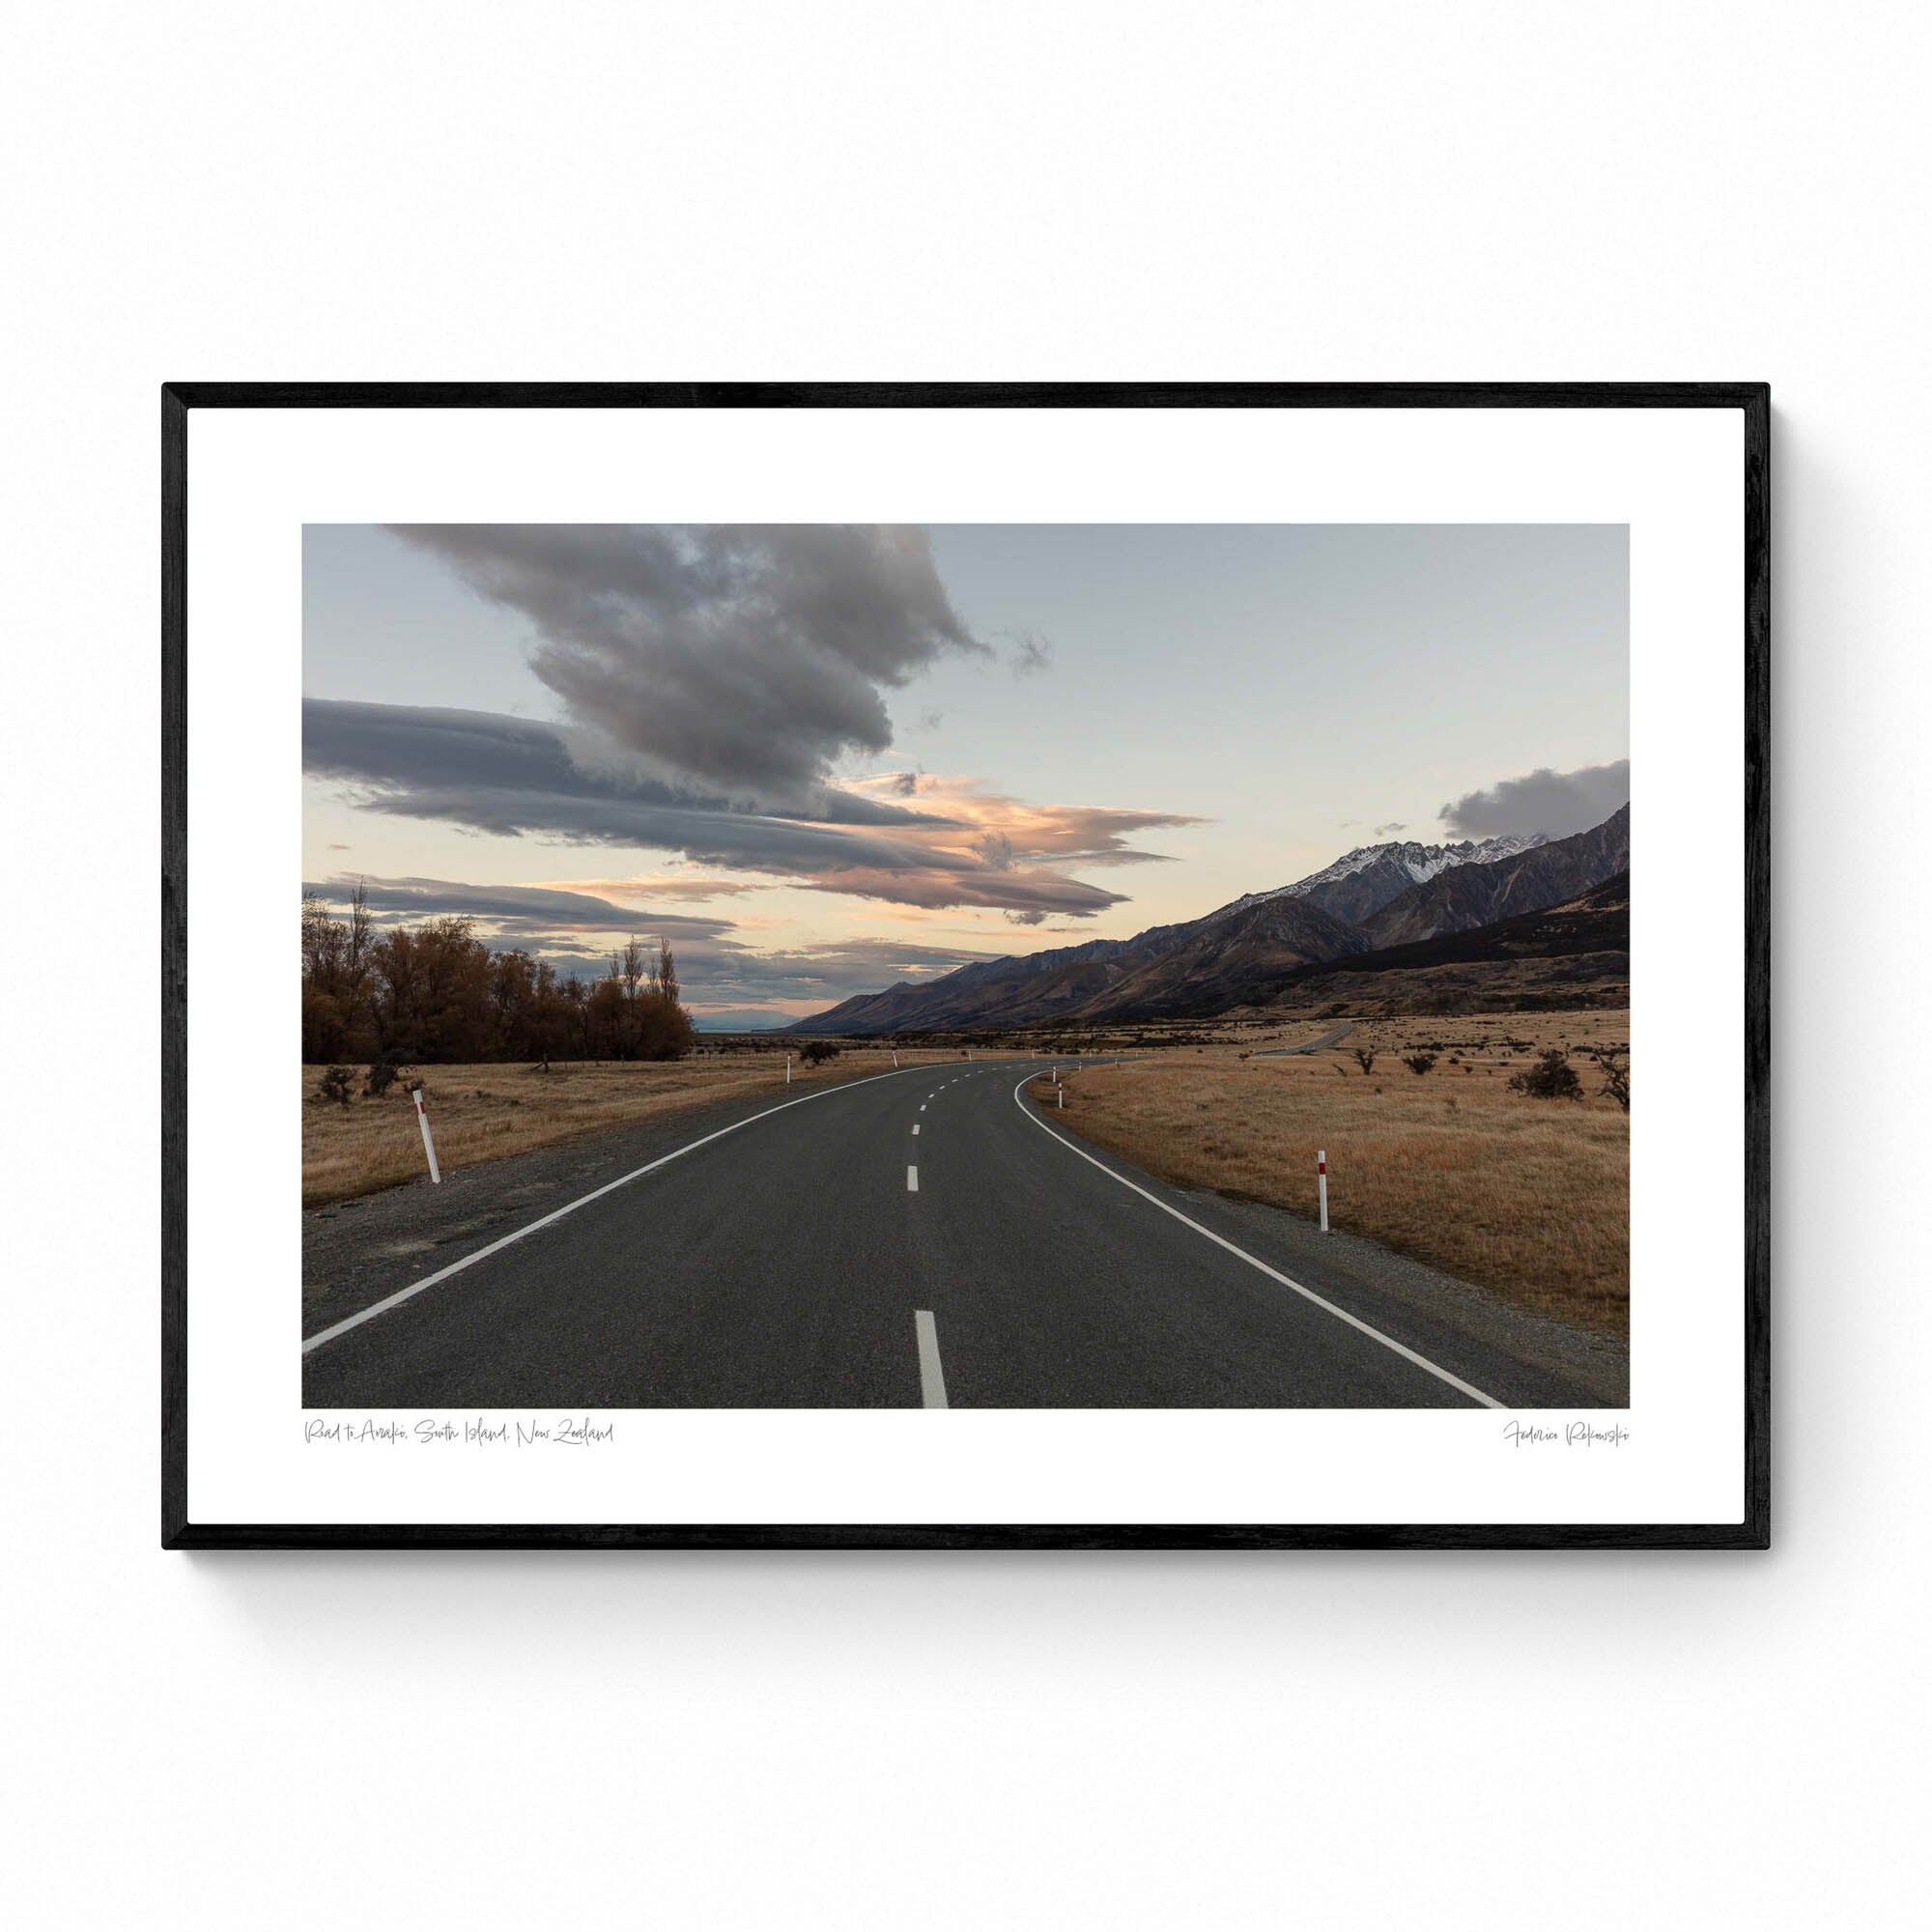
<point x="1363" y="881"/>
<point x="1248" y="953"/>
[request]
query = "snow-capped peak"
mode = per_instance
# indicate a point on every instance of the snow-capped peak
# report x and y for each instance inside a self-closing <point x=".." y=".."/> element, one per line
<point x="1420" y="862"/>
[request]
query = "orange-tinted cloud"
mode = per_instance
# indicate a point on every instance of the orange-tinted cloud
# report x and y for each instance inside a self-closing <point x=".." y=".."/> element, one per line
<point x="952" y="842"/>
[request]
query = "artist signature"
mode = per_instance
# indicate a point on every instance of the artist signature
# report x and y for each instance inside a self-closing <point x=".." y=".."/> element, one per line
<point x="1571" y="1435"/>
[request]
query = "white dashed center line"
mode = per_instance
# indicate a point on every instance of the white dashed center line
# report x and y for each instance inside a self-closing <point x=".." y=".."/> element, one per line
<point x="932" y="1377"/>
<point x="915" y="1126"/>
<point x="912" y="1181"/>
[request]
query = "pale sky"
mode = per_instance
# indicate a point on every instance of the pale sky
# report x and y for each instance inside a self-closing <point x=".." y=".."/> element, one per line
<point x="823" y="760"/>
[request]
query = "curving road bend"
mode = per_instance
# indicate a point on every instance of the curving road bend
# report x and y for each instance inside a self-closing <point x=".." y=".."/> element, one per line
<point x="921" y="1237"/>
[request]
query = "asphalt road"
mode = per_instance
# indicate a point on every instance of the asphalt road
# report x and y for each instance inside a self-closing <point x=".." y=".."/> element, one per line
<point x="1329" y="1038"/>
<point x="928" y="1237"/>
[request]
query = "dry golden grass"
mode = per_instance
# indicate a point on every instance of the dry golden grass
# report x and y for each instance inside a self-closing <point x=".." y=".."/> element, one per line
<point x="487" y="1112"/>
<point x="1529" y="1198"/>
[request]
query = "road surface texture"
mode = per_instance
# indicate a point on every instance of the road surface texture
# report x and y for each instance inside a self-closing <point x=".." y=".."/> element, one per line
<point x="1329" y="1038"/>
<point x="923" y="1238"/>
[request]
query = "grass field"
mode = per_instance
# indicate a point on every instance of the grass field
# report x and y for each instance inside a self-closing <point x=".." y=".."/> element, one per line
<point x="484" y="1113"/>
<point x="1529" y="1198"/>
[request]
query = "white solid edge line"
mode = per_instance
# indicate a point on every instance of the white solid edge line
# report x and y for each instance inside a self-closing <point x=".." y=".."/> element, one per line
<point x="932" y="1376"/>
<point x="416" y="1288"/>
<point x="1273" y="1274"/>
<point x="912" y="1179"/>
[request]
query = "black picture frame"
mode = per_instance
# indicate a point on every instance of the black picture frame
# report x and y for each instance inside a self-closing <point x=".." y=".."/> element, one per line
<point x="179" y="400"/>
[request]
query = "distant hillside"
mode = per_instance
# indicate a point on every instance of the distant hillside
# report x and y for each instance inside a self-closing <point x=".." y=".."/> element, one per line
<point x="1246" y="953"/>
<point x="962" y="997"/>
<point x="1575" y="954"/>
<point x="1467" y="896"/>
<point x="1165" y="970"/>
<point x="1205" y="966"/>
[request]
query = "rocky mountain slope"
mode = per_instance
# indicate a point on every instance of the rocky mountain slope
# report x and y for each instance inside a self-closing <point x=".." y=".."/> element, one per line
<point x="1363" y="881"/>
<point x="1203" y="967"/>
<point x="1467" y="896"/>
<point x="1575" y="954"/>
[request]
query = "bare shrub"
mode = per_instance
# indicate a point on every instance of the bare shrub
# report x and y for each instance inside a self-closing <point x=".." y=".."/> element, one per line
<point x="1615" y="1069"/>
<point x="382" y="1076"/>
<point x="814" y="1052"/>
<point x="1548" y="1077"/>
<point x="1365" y="1059"/>
<point x="335" y="1084"/>
<point x="1419" y="1064"/>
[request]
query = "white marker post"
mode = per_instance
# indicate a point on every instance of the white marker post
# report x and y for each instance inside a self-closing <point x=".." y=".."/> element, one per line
<point x="429" y="1146"/>
<point x="1062" y="1099"/>
<point x="788" y="1069"/>
<point x="1321" y="1180"/>
<point x="895" y="1059"/>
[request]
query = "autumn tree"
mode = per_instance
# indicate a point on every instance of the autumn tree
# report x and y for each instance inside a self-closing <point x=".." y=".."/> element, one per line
<point x="437" y="993"/>
<point x="336" y="968"/>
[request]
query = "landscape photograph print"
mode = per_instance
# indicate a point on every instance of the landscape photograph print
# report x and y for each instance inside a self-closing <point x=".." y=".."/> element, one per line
<point x="1034" y="966"/>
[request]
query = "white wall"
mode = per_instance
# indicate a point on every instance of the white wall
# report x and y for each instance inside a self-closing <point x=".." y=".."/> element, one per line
<point x="1402" y="190"/>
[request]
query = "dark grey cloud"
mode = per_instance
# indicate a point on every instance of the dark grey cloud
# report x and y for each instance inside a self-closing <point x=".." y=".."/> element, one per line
<point x="514" y="777"/>
<point x="487" y="756"/>
<point x="940" y="888"/>
<point x="740" y="659"/>
<point x="534" y="909"/>
<point x="1389" y="829"/>
<point x="689" y="891"/>
<point x="1555" y="803"/>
